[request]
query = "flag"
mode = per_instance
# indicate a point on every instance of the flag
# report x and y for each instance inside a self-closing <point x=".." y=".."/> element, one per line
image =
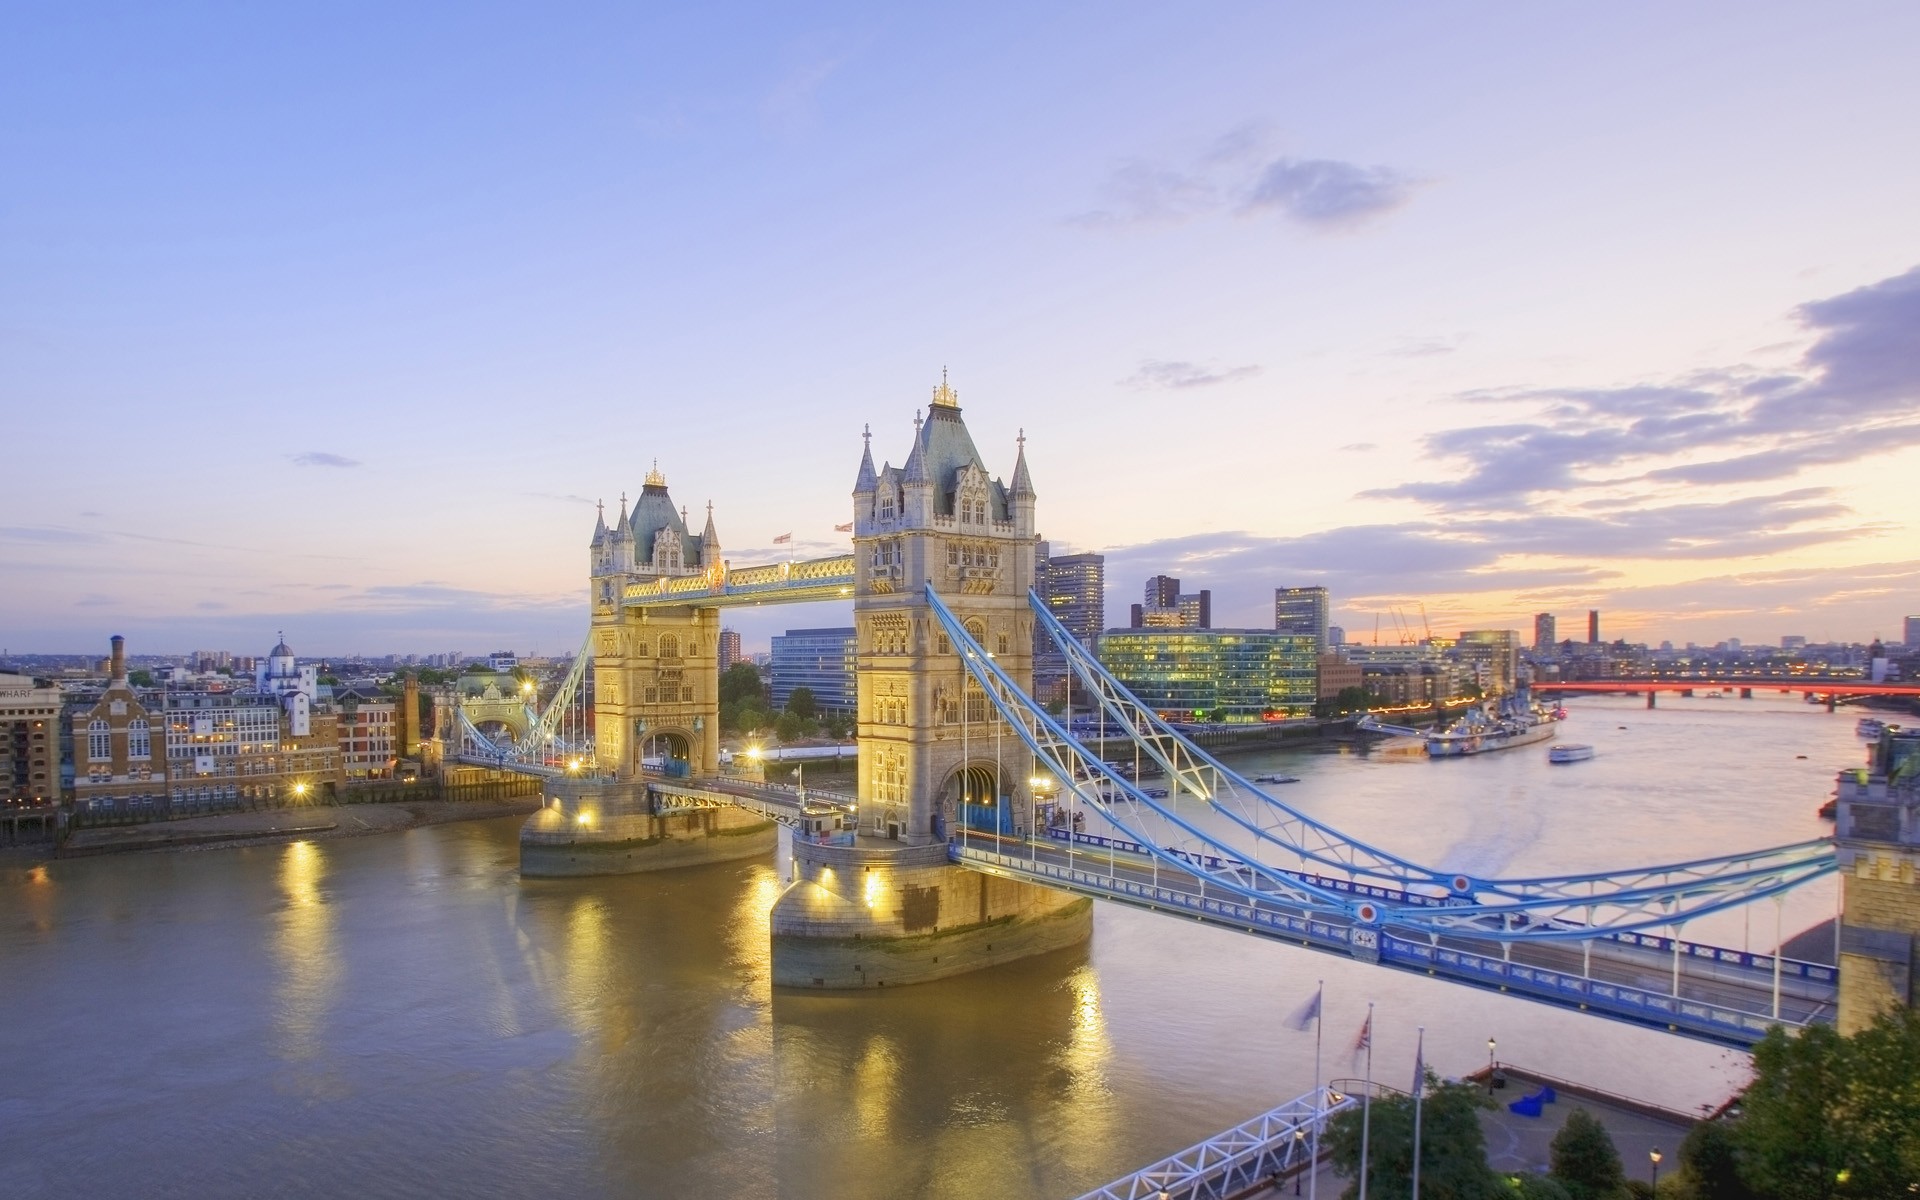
<point x="1365" y="1040"/>
<point x="1308" y="1013"/>
<point x="847" y="528"/>
<point x="785" y="537"/>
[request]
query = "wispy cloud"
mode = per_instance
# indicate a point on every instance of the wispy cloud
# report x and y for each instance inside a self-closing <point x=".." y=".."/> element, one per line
<point x="1328" y="193"/>
<point x="320" y="458"/>
<point x="1854" y="394"/>
<point x="1161" y="373"/>
<point x="49" y="535"/>
<point x="1241" y="174"/>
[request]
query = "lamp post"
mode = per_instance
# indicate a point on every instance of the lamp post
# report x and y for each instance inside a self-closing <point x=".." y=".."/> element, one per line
<point x="1489" y="1066"/>
<point x="1653" y="1156"/>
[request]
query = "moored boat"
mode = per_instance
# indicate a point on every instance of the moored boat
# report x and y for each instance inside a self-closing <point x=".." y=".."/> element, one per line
<point x="1870" y="727"/>
<point x="1571" y="752"/>
<point x="1517" y="721"/>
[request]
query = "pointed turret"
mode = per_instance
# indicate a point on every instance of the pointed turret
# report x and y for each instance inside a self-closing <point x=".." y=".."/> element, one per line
<point x="709" y="541"/>
<point x="867" y="482"/>
<point x="916" y="485"/>
<point x="1022" y="482"/>
<point x="621" y="540"/>
<point x="599" y="524"/>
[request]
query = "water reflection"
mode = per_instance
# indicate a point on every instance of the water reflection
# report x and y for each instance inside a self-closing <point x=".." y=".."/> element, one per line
<point x="303" y="948"/>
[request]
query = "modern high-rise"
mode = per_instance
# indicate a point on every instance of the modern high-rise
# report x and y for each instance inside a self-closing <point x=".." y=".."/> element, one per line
<point x="1163" y="591"/>
<point x="1493" y="653"/>
<point x="1075" y="590"/>
<point x="729" y="649"/>
<point x="821" y="660"/>
<point x="1302" y="610"/>
<point x="1543" y="633"/>
<point x="1593" y="627"/>
<point x="1912" y="631"/>
<point x="1216" y="674"/>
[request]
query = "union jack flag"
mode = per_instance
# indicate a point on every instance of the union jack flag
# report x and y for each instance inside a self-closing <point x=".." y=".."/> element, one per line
<point x="785" y="537"/>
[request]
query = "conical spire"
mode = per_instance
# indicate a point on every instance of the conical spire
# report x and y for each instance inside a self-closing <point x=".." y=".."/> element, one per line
<point x="710" y="536"/>
<point x="600" y="523"/>
<point x="868" y="482"/>
<point x="916" y="468"/>
<point x="1022" y="482"/>
<point x="621" y="528"/>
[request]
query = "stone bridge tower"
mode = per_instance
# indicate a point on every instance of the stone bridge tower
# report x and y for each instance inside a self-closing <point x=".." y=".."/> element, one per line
<point x="928" y="733"/>
<point x="656" y="670"/>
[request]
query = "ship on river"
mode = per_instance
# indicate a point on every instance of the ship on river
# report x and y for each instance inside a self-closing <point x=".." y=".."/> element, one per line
<point x="1515" y="721"/>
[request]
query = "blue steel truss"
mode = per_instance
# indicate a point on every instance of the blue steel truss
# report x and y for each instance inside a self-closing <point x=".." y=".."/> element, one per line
<point x="1285" y="853"/>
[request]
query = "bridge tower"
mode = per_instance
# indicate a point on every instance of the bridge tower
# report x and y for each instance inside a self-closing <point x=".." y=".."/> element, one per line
<point x="1877" y="839"/>
<point x="656" y="671"/>
<point x="891" y="908"/>
<point x="929" y="740"/>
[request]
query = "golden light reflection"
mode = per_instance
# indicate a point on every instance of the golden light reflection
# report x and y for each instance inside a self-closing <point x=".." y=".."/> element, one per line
<point x="1085" y="1056"/>
<point x="303" y="944"/>
<point x="750" y="934"/>
<point x="38" y="876"/>
<point x="586" y="966"/>
<point x="876" y="1084"/>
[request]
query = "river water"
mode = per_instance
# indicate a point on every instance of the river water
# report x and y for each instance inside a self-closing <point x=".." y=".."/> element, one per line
<point x="402" y="1015"/>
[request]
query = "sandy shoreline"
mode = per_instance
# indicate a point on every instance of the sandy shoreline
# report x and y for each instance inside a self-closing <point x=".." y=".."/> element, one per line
<point x="316" y="823"/>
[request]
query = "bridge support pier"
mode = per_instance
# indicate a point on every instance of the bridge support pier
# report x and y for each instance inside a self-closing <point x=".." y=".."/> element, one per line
<point x="878" y="914"/>
<point x="1650" y="698"/>
<point x="602" y="827"/>
<point x="1746" y="693"/>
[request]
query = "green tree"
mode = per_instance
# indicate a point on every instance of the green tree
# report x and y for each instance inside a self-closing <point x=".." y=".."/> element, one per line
<point x="742" y="682"/>
<point x="1584" y="1159"/>
<point x="1537" y="1187"/>
<point x="800" y="704"/>
<point x="1453" y="1148"/>
<point x="140" y="678"/>
<point x="790" y="726"/>
<point x="1709" y="1167"/>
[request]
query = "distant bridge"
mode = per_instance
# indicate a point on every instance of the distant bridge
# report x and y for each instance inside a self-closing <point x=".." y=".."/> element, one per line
<point x="1802" y="684"/>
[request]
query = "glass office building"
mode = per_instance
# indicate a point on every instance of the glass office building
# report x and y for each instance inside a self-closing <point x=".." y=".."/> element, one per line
<point x="820" y="660"/>
<point x="1216" y="674"/>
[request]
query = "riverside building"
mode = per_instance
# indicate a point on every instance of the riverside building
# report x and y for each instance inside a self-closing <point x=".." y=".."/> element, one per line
<point x="822" y="661"/>
<point x="29" y="742"/>
<point x="1216" y="674"/>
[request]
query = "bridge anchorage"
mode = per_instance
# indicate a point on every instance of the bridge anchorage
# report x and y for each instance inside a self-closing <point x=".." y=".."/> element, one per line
<point x="981" y="829"/>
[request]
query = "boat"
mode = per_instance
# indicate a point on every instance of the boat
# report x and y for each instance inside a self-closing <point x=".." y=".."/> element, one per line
<point x="1515" y="721"/>
<point x="1570" y="752"/>
<point x="1716" y="694"/>
<point x="1870" y="727"/>
<point x="1276" y="779"/>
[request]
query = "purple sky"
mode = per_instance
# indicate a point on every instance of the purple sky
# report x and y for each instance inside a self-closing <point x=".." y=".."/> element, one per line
<point x="337" y="320"/>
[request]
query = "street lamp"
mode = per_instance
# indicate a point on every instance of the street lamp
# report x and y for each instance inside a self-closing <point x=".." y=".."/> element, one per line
<point x="1489" y="1066"/>
<point x="1653" y="1156"/>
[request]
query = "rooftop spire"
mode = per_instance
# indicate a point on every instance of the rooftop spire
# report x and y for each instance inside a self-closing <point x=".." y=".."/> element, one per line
<point x="916" y="468"/>
<point x="867" y="481"/>
<point x="710" y="536"/>
<point x="1022" y="482"/>
<point x="654" y="477"/>
<point x="944" y="396"/>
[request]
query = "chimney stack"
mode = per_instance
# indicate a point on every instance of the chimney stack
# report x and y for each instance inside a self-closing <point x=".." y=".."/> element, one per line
<point x="119" y="660"/>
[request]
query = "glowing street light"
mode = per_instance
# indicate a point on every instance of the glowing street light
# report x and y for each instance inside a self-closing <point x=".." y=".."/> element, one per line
<point x="1653" y="1156"/>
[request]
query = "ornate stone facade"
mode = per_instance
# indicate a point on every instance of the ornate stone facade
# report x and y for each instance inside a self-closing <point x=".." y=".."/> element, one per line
<point x="656" y="676"/>
<point x="927" y="734"/>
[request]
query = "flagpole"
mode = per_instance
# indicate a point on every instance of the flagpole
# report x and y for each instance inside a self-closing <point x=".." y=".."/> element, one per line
<point x="1366" y="1105"/>
<point x="1319" y="1096"/>
<point x="1419" y="1091"/>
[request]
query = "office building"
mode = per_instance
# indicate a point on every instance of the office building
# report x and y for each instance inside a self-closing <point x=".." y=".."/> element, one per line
<point x="29" y="742"/>
<point x="1302" y="610"/>
<point x="1076" y="593"/>
<point x="1337" y="675"/>
<point x="1167" y="607"/>
<point x="1544" y="638"/>
<point x="1215" y="674"/>
<point x="1912" y="633"/>
<point x="729" y="649"/>
<point x="1593" y="627"/>
<point x="1163" y="591"/>
<point x="821" y="660"/>
<point x="1493" y="655"/>
<point x="1336" y="636"/>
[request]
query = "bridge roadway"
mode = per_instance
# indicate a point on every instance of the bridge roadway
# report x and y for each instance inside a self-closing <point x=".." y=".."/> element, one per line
<point x="1668" y="683"/>
<point x="1724" y="996"/>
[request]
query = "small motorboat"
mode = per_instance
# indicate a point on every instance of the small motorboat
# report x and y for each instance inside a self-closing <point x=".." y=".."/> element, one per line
<point x="1570" y="752"/>
<point x="1276" y="779"/>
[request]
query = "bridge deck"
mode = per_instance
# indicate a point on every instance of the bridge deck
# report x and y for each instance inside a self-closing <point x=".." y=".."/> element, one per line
<point x="1727" y="998"/>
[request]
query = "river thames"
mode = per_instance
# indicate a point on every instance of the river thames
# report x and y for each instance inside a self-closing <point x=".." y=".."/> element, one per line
<point x="402" y="1015"/>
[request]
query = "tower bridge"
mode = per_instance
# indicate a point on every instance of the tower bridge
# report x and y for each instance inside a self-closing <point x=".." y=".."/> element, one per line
<point x="954" y="851"/>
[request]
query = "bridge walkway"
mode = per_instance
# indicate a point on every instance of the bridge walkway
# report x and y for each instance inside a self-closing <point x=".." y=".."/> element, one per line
<point x="1723" y="996"/>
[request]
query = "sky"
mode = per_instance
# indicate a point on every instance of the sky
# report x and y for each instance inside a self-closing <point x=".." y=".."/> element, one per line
<point x="338" y="319"/>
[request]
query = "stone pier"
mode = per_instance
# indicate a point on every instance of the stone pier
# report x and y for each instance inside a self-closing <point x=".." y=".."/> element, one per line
<point x="879" y="914"/>
<point x="602" y="827"/>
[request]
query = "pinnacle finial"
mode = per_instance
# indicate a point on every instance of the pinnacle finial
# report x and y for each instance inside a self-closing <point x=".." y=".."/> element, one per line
<point x="1022" y="439"/>
<point x="944" y="396"/>
<point x="866" y="433"/>
<point x="654" y="477"/>
<point x="600" y="508"/>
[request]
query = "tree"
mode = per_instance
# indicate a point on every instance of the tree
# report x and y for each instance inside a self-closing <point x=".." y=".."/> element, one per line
<point x="1584" y="1159"/>
<point x="742" y="682"/>
<point x="1710" y="1164"/>
<point x="800" y="703"/>
<point x="791" y="725"/>
<point x="1453" y="1148"/>
<point x="141" y="678"/>
<point x="1538" y="1187"/>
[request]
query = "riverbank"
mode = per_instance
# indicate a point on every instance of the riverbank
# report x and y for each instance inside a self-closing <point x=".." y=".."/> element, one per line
<point x="314" y="823"/>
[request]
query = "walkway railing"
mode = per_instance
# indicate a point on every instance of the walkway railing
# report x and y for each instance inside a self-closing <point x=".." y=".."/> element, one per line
<point x="1268" y="1147"/>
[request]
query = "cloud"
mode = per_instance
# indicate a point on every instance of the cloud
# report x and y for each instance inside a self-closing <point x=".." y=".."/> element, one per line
<point x="1159" y="373"/>
<point x="1853" y="395"/>
<point x="49" y="535"/>
<point x="1329" y="193"/>
<point x="1360" y="447"/>
<point x="1238" y="173"/>
<point x="320" y="458"/>
<point x="564" y="498"/>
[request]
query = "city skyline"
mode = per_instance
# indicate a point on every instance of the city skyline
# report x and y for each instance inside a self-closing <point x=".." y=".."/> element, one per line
<point x="315" y="331"/>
